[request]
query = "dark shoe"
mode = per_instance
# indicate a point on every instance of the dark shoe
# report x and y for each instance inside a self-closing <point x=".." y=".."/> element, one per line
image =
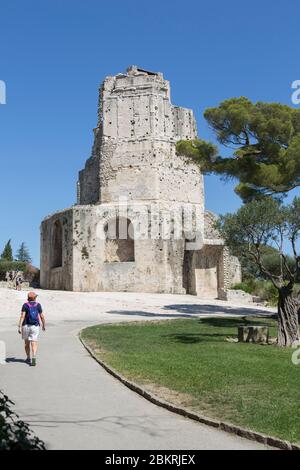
<point x="28" y="360"/>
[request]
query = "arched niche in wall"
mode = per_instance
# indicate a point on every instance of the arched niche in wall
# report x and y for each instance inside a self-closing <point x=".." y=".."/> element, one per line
<point x="57" y="245"/>
<point x="119" y="240"/>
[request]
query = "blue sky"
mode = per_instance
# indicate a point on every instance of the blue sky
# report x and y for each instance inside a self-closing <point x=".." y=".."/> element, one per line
<point x="54" y="54"/>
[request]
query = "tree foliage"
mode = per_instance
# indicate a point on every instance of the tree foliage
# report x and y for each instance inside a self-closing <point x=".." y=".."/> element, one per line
<point x="258" y="224"/>
<point x="262" y="223"/>
<point x="271" y="259"/>
<point x="265" y="143"/>
<point x="6" y="266"/>
<point x="7" y="253"/>
<point x="23" y="254"/>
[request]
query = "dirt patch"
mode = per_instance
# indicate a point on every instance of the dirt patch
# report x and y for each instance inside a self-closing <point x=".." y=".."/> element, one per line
<point x="171" y="396"/>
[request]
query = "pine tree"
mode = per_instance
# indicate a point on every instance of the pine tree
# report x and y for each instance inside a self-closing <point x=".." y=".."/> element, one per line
<point x="264" y="139"/>
<point x="7" y="254"/>
<point x="23" y="254"/>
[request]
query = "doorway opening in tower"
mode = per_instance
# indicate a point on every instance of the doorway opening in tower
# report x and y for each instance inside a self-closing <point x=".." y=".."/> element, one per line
<point x="119" y="240"/>
<point x="57" y="244"/>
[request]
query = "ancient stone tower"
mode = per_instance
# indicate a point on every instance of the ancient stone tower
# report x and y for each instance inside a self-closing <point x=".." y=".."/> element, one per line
<point x="139" y="223"/>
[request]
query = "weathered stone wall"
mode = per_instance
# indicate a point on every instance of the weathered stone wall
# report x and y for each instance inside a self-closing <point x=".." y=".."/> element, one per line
<point x="157" y="265"/>
<point x="236" y="296"/>
<point x="158" y="258"/>
<point x="210" y="270"/>
<point x="232" y="269"/>
<point x="210" y="231"/>
<point x="205" y="275"/>
<point x="134" y="158"/>
<point x="60" y="278"/>
<point x="89" y="185"/>
<point x="135" y="144"/>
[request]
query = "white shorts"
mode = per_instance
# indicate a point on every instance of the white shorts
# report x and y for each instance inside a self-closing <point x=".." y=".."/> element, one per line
<point x="30" y="332"/>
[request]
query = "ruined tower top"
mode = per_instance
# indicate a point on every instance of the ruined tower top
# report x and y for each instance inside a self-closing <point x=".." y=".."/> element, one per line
<point x="134" y="70"/>
<point x="137" y="105"/>
<point x="135" y="139"/>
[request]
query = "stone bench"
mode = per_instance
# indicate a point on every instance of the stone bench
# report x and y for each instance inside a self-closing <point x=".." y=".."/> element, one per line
<point x="253" y="334"/>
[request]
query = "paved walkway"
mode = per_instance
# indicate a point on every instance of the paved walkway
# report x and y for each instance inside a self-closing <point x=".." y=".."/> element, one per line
<point x="72" y="403"/>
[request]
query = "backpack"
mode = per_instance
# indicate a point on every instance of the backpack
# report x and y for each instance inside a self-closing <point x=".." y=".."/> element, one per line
<point x="32" y="317"/>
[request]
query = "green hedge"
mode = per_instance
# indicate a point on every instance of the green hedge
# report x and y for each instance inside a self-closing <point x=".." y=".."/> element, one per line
<point x="243" y="286"/>
<point x="260" y="288"/>
<point x="6" y="266"/>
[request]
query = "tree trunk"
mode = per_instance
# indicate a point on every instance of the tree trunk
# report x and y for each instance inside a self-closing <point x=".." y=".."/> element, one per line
<point x="288" y="325"/>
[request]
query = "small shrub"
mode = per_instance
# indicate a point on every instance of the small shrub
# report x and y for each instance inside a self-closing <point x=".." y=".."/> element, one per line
<point x="12" y="266"/>
<point x="266" y="291"/>
<point x="6" y="266"/>
<point x="260" y="288"/>
<point x="245" y="286"/>
<point x="14" y="433"/>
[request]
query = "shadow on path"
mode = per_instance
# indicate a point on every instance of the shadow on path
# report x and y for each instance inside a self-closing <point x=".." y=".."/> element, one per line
<point x="15" y="359"/>
<point x="214" y="309"/>
<point x="139" y="313"/>
<point x="142" y="423"/>
<point x="190" y="310"/>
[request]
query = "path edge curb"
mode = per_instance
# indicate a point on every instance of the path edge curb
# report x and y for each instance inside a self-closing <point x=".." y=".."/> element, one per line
<point x="222" y="425"/>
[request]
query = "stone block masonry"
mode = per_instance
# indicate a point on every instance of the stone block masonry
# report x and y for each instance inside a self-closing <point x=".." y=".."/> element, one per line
<point x="134" y="179"/>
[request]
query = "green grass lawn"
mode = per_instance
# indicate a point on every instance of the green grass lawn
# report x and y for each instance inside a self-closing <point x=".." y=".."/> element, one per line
<point x="189" y="362"/>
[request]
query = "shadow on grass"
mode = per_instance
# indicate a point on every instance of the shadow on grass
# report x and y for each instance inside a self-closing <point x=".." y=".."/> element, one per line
<point x="185" y="338"/>
<point x="193" y="338"/>
<point x="221" y="322"/>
